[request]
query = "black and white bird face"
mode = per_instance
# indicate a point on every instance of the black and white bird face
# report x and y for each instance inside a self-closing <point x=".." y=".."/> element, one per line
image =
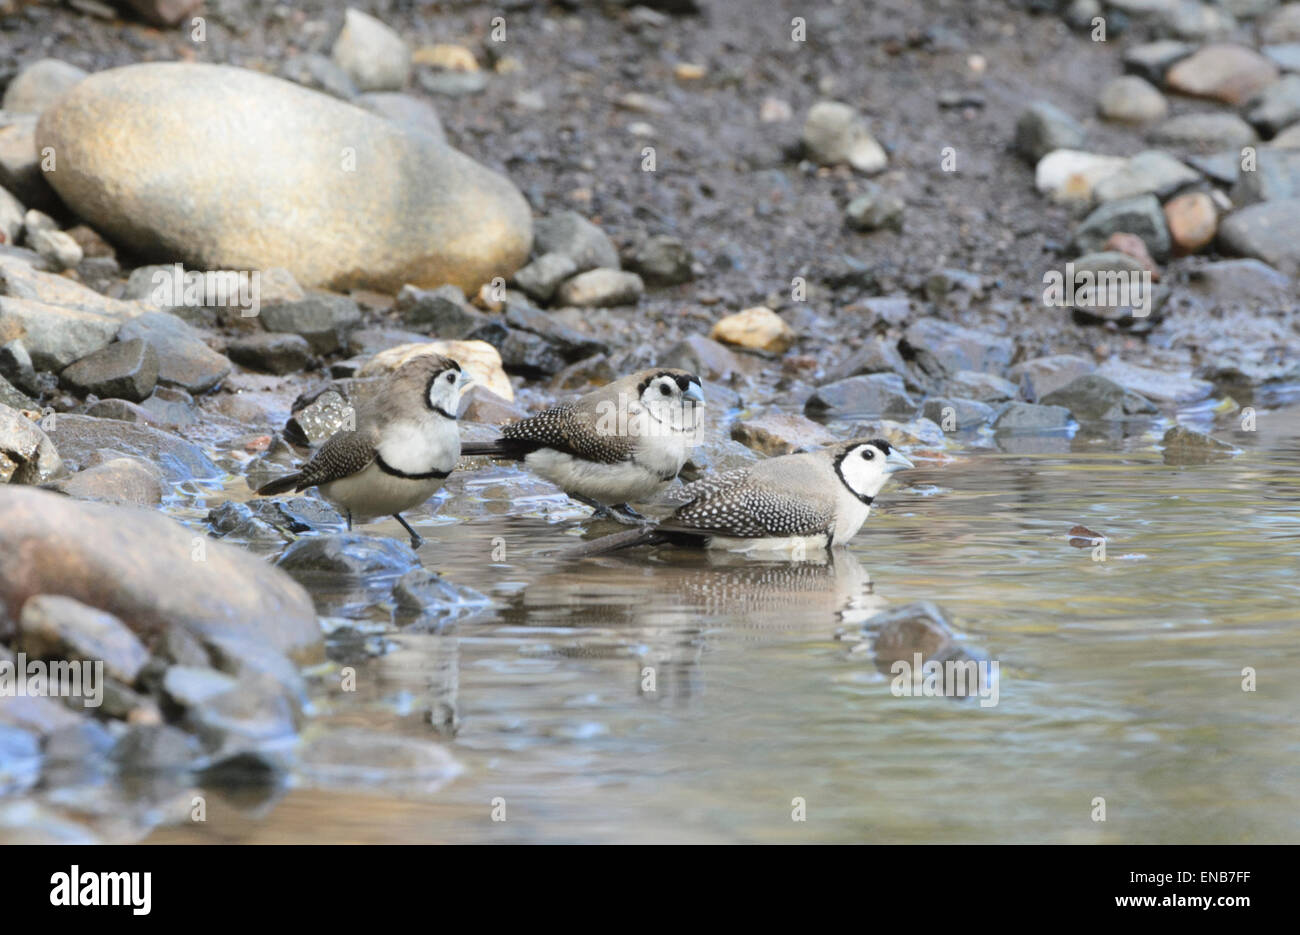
<point x="674" y="398"/>
<point x="445" y="388"/>
<point x="865" y="466"/>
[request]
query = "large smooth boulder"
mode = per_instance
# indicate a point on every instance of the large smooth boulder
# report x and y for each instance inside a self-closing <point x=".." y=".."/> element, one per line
<point x="225" y="168"/>
<point x="148" y="571"/>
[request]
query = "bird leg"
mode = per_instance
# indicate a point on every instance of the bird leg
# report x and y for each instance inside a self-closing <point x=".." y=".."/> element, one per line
<point x="416" y="541"/>
<point x="349" y="520"/>
<point x="599" y="510"/>
<point x="622" y="513"/>
<point x="619" y="513"/>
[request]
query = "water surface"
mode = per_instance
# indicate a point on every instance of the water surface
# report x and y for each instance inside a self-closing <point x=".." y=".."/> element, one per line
<point x="1120" y="679"/>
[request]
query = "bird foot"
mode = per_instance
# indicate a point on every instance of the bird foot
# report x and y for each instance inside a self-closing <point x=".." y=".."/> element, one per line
<point x="416" y="540"/>
<point x="624" y="514"/>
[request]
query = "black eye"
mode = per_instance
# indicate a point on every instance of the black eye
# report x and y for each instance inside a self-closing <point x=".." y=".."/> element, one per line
<point x="868" y="454"/>
<point x="664" y="390"/>
<point x="451" y="377"/>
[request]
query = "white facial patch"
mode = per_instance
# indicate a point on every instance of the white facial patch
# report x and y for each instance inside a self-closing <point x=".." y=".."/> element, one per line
<point x="863" y="470"/>
<point x="444" y="391"/>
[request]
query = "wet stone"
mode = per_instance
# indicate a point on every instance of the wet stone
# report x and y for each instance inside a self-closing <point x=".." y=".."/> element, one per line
<point x="705" y="357"/>
<point x="940" y="349"/>
<point x="1149" y="172"/>
<point x="1229" y="73"/>
<point x="957" y="415"/>
<point x="184" y="359"/>
<point x="1094" y="398"/>
<point x="1268" y="231"/>
<point x="426" y="594"/>
<point x="877" y="355"/>
<point x="372" y="54"/>
<point x="662" y="261"/>
<point x="875" y="209"/>
<point x="1187" y="446"/>
<point x="1042" y="375"/>
<point x="52" y="626"/>
<point x="271" y="353"/>
<point x="1030" y="418"/>
<point x="13" y="397"/>
<point x="758" y="328"/>
<point x="570" y="234"/>
<point x="879" y="394"/>
<point x="125" y="369"/>
<point x="117" y="480"/>
<point x="1156" y="385"/>
<point x="27" y="454"/>
<point x="1204" y="132"/>
<point x="348" y="573"/>
<point x="1142" y="216"/>
<point x="415" y="114"/>
<point x="601" y="287"/>
<point x="1131" y="99"/>
<point x="443" y="312"/>
<point x="230" y="714"/>
<point x="982" y="387"/>
<point x="315" y="71"/>
<point x="541" y="277"/>
<point x="322" y="318"/>
<point x="1276" y="107"/>
<point x="780" y="433"/>
<point x="835" y="134"/>
<point x="453" y="83"/>
<point x="1276" y="177"/>
<point x="170" y="407"/>
<point x="1151" y="60"/>
<point x="20" y="760"/>
<point x="1044" y="127"/>
<point x="155" y="748"/>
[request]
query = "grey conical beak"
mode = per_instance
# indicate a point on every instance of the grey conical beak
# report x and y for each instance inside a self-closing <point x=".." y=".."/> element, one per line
<point x="694" y="392"/>
<point x="896" y="461"/>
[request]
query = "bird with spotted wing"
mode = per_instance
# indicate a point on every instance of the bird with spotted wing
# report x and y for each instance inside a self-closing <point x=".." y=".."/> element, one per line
<point x="617" y="445"/>
<point x="405" y="444"/>
<point x="810" y="500"/>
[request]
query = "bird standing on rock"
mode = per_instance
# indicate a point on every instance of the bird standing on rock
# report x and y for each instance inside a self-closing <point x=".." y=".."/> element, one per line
<point x="405" y="444"/>
<point x="810" y="500"/>
<point x="619" y="444"/>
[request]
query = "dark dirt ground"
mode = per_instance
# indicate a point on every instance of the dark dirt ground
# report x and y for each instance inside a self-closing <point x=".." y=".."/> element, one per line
<point x="730" y="186"/>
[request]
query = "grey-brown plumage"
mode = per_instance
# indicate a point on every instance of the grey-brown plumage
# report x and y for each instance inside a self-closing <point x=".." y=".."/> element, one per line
<point x="621" y="443"/>
<point x="813" y="499"/>
<point x="404" y="445"/>
<point x="343" y="454"/>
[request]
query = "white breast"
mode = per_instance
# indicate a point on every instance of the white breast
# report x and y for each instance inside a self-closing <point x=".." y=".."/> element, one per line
<point x="418" y="446"/>
<point x="850" y="514"/>
<point x="624" y="482"/>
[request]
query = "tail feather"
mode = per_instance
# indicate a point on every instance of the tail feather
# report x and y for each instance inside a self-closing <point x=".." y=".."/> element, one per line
<point x="492" y="449"/>
<point x="643" y="535"/>
<point x="286" y="484"/>
<point x="513" y="449"/>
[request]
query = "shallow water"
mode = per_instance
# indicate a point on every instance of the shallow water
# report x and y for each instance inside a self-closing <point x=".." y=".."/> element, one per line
<point x="1120" y="679"/>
